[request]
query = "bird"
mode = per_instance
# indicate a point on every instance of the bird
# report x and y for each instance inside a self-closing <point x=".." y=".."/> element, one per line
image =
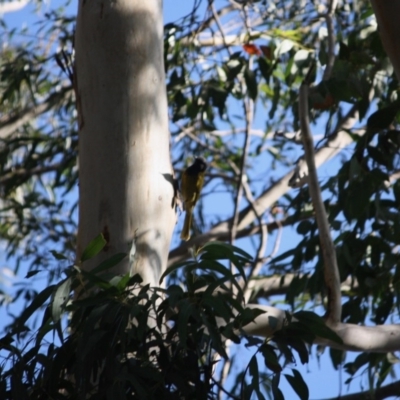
<point x="192" y="182"/>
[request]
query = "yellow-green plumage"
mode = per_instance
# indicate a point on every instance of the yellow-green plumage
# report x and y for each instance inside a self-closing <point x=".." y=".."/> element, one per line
<point x="192" y="182"/>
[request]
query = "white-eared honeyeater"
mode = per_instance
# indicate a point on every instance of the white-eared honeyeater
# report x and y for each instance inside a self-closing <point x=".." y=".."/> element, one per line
<point x="192" y="182"/>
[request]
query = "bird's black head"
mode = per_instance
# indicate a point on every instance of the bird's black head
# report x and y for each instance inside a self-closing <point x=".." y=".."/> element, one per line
<point x="200" y="164"/>
<point x="197" y="167"/>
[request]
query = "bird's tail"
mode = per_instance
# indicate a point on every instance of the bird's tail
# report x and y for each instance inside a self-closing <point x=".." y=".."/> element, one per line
<point x="185" y="234"/>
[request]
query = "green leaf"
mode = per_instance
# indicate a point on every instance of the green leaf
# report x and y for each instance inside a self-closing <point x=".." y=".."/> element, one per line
<point x="122" y="284"/>
<point x="219" y="268"/>
<point x="284" y="255"/>
<point x="175" y="267"/>
<point x="94" y="247"/>
<point x="36" y="304"/>
<point x="358" y="200"/>
<point x="265" y="68"/>
<point x="337" y="357"/>
<point x="58" y="256"/>
<point x="109" y="263"/>
<point x="298" y="385"/>
<point x="248" y="315"/>
<point x="382" y="118"/>
<point x="33" y="273"/>
<point x="361" y="360"/>
<point x="185" y="312"/>
<point x="251" y="83"/>
<point x="300" y="347"/>
<point x="396" y="191"/>
<point x="224" y="251"/>
<point x="317" y="326"/>
<point x="275" y="389"/>
<point x="253" y="370"/>
<point x="5" y="344"/>
<point x="60" y="298"/>
<point x="93" y="279"/>
<point x="379" y="156"/>
<point x="304" y="227"/>
<point x="270" y="358"/>
<point x="344" y="51"/>
<point x="46" y="327"/>
<point x="255" y="381"/>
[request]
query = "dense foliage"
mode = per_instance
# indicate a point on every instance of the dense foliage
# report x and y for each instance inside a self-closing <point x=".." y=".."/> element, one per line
<point x="131" y="342"/>
<point x="233" y="75"/>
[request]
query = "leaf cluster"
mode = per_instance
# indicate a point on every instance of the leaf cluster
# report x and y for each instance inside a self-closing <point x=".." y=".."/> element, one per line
<point x="124" y="340"/>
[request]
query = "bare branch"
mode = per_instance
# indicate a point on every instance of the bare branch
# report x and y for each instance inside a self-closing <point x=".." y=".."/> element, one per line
<point x="25" y="173"/>
<point x="206" y="23"/>
<point x="377" y="339"/>
<point x="331" y="271"/>
<point x="393" y="389"/>
<point x="259" y="261"/>
<point x="11" y="123"/>
<point x="219" y="25"/>
<point x="331" y="39"/>
<point x="274" y="285"/>
<point x="248" y="107"/>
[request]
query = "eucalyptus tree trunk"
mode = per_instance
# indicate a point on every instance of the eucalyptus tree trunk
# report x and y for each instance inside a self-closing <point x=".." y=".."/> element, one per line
<point x="387" y="14"/>
<point x="125" y="174"/>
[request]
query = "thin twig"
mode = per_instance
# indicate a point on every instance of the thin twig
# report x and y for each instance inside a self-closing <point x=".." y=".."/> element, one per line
<point x="222" y="389"/>
<point x="226" y="367"/>
<point x="331" y="271"/>
<point x="27" y="173"/>
<point x="9" y="124"/>
<point x="258" y="262"/>
<point x="248" y="106"/>
<point x="383" y="392"/>
<point x="206" y="23"/>
<point x="180" y="253"/>
<point x="277" y="241"/>
<point x="248" y="287"/>
<point x="331" y="39"/>
<point x="219" y="25"/>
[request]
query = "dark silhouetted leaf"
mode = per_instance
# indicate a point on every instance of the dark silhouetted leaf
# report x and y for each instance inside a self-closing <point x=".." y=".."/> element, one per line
<point x="297" y="383"/>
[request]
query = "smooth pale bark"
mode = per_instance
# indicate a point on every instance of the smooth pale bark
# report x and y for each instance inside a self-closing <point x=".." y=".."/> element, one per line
<point x="377" y="339"/>
<point x="125" y="174"/>
<point x="388" y="16"/>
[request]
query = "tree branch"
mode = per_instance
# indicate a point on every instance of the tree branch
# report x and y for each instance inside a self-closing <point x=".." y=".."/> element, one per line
<point x="26" y="173"/>
<point x="259" y="260"/>
<point x="331" y="39"/>
<point x="10" y="124"/>
<point x="393" y="389"/>
<point x="248" y="107"/>
<point x="331" y="271"/>
<point x="274" y="285"/>
<point x="376" y="339"/>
